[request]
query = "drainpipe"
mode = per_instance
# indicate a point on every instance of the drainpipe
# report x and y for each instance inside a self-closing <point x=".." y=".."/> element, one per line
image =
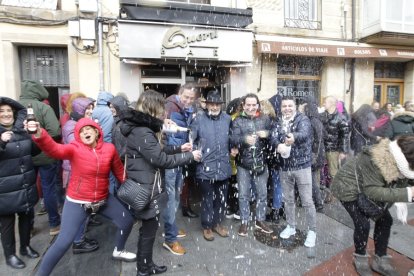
<point x="353" y="61"/>
<point x="100" y="49"/>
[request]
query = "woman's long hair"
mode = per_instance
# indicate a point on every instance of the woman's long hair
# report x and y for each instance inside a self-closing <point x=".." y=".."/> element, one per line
<point x="152" y="103"/>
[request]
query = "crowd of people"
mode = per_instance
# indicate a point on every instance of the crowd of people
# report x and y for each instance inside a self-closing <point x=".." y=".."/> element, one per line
<point x="252" y="161"/>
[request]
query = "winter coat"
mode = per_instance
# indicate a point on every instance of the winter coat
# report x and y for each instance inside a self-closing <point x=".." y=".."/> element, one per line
<point x="145" y="153"/>
<point x="34" y="93"/>
<point x="361" y="135"/>
<point x="18" y="191"/>
<point x="337" y="132"/>
<point x="89" y="179"/>
<point x="121" y="105"/>
<point x="401" y="123"/>
<point x="103" y="114"/>
<point x="250" y="158"/>
<point x="79" y="106"/>
<point x="181" y="116"/>
<point x="276" y="102"/>
<point x="301" y="151"/>
<point x="375" y="171"/>
<point x="214" y="130"/>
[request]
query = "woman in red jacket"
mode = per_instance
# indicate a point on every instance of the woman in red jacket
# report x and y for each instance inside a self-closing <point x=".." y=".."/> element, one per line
<point x="91" y="160"/>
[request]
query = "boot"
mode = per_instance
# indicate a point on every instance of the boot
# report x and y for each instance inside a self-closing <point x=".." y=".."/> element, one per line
<point x="273" y="216"/>
<point x="383" y="265"/>
<point x="187" y="212"/>
<point x="145" y="264"/>
<point x="362" y="265"/>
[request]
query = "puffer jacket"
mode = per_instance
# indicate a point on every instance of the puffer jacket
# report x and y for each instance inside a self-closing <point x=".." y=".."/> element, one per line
<point x="181" y="116"/>
<point x="121" y="106"/>
<point x="89" y="179"/>
<point x="301" y="151"/>
<point x="214" y="131"/>
<point x="250" y="158"/>
<point x="401" y="123"/>
<point x="103" y="114"/>
<point x="337" y="132"/>
<point x="34" y="93"/>
<point x="18" y="191"/>
<point x="375" y="171"/>
<point x="79" y="106"/>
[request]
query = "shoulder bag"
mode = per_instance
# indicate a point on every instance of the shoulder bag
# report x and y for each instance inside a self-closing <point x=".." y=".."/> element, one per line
<point x="371" y="209"/>
<point x="133" y="193"/>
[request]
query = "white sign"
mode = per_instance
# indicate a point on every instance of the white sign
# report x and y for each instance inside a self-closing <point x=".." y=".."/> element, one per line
<point x="39" y="4"/>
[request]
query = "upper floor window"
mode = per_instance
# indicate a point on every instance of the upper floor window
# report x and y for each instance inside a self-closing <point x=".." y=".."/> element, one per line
<point x="304" y="14"/>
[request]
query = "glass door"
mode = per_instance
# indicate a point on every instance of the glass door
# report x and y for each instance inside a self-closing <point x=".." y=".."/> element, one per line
<point x="388" y="92"/>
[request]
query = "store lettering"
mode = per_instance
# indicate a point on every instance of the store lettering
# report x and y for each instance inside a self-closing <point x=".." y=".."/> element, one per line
<point x="362" y="52"/>
<point x="304" y="49"/>
<point x="175" y="37"/>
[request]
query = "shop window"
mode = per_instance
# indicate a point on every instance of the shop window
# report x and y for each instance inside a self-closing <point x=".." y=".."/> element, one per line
<point x="304" y="14"/>
<point x="299" y="76"/>
<point x="204" y="2"/>
<point x="158" y="71"/>
<point x="390" y="70"/>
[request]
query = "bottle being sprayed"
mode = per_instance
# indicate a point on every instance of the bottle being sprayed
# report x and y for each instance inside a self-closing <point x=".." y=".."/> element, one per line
<point x="31" y="127"/>
<point x="174" y="129"/>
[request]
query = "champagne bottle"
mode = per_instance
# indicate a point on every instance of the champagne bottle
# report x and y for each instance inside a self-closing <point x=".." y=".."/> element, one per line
<point x="174" y="129"/>
<point x="31" y="128"/>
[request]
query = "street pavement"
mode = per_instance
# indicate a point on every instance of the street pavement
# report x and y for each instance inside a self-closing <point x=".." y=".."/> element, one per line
<point x="234" y="255"/>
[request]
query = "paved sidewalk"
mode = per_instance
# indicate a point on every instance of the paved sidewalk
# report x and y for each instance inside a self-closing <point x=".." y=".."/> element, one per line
<point x="234" y="255"/>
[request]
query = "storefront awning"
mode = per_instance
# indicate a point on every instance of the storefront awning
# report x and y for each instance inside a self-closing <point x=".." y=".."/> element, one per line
<point x="327" y="48"/>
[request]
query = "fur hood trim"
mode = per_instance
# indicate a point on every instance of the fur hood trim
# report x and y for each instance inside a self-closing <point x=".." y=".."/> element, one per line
<point x="404" y="113"/>
<point x="384" y="160"/>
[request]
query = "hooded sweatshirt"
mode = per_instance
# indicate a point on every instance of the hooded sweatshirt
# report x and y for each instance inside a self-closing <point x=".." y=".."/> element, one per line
<point x="121" y="106"/>
<point x="34" y="93"/>
<point x="103" y="114"/>
<point x="90" y="166"/>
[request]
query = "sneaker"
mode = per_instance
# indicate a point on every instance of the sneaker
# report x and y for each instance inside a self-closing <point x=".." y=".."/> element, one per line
<point x="237" y="215"/>
<point x="181" y="234"/>
<point x="287" y="232"/>
<point x="243" y="230"/>
<point x="383" y="265"/>
<point x="310" y="239"/>
<point x="85" y="246"/>
<point x="175" y="248"/>
<point x="208" y="235"/>
<point x="229" y="214"/>
<point x="54" y="230"/>
<point x="221" y="230"/>
<point x="124" y="255"/>
<point x="42" y="211"/>
<point x="263" y="227"/>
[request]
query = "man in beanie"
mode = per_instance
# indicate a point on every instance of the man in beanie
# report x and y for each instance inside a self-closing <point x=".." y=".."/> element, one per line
<point x="383" y="173"/>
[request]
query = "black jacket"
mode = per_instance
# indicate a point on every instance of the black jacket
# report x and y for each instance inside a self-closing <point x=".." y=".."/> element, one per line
<point x="18" y="191"/>
<point x="401" y="123"/>
<point x="250" y="158"/>
<point x="337" y="132"/>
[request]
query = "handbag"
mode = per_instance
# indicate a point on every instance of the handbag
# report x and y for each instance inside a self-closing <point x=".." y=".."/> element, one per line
<point x="372" y="209"/>
<point x="158" y="200"/>
<point x="133" y="193"/>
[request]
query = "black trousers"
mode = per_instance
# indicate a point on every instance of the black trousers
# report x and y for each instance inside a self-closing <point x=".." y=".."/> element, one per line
<point x="146" y="239"/>
<point x="8" y="239"/>
<point x="382" y="229"/>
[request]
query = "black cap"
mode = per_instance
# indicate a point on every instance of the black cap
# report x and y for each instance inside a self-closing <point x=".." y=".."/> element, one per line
<point x="214" y="96"/>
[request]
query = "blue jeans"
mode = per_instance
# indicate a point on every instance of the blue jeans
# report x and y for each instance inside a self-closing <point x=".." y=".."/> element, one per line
<point x="213" y="205"/>
<point x="277" y="189"/>
<point x="72" y="217"/>
<point x="48" y="182"/>
<point x="113" y="184"/>
<point x="173" y="183"/>
<point x="247" y="181"/>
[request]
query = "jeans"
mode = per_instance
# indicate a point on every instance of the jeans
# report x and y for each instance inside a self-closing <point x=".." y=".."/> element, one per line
<point x="316" y="190"/>
<point x="213" y="205"/>
<point x="277" y="190"/>
<point x="48" y="182"/>
<point x="362" y="225"/>
<point x="72" y="217"/>
<point x="8" y="239"/>
<point x="113" y="184"/>
<point x="303" y="180"/>
<point x="173" y="184"/>
<point x="247" y="181"/>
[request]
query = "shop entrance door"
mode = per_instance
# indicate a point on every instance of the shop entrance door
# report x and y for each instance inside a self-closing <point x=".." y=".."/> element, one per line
<point x="389" y="92"/>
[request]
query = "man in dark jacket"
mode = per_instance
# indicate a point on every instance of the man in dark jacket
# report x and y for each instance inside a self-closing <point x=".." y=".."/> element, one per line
<point x="249" y="134"/>
<point x="337" y="137"/>
<point x="402" y="123"/>
<point x="34" y="93"/>
<point x="118" y="104"/>
<point x="293" y="133"/>
<point x="213" y="172"/>
<point x="179" y="109"/>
